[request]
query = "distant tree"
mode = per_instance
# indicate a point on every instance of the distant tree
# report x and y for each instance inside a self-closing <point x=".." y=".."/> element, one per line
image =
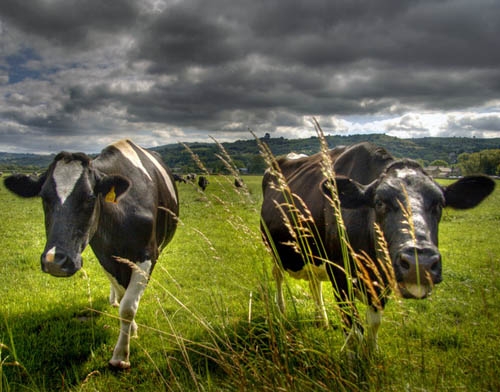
<point x="485" y="162"/>
<point x="256" y="165"/>
<point x="469" y="163"/>
<point x="439" y="162"/>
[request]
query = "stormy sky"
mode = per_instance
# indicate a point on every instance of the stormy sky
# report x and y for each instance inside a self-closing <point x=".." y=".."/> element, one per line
<point x="78" y="74"/>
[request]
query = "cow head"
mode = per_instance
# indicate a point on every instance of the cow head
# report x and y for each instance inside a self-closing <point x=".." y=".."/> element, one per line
<point x="407" y="205"/>
<point x="70" y="191"/>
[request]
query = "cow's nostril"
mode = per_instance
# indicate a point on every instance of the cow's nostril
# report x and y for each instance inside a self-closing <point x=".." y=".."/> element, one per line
<point x="435" y="266"/>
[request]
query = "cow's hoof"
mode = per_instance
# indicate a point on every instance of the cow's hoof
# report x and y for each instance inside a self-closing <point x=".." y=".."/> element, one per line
<point x="119" y="365"/>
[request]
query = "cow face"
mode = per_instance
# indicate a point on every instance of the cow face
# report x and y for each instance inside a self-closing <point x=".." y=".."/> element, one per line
<point x="70" y="192"/>
<point x="407" y="205"/>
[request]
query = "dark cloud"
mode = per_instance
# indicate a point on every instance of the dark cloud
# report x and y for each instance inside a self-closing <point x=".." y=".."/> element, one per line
<point x="190" y="68"/>
<point x="69" y="22"/>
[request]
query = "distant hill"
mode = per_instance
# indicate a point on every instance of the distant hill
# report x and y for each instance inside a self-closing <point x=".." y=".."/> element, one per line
<point x="24" y="162"/>
<point x="245" y="153"/>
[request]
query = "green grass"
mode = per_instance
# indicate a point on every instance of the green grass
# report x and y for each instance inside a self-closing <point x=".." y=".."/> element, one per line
<point x="207" y="321"/>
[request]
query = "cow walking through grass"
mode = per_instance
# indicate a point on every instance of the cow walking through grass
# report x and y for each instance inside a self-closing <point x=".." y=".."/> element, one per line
<point x="386" y="227"/>
<point x="124" y="203"/>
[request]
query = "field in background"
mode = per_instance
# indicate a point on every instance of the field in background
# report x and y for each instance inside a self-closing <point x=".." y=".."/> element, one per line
<point x="208" y="322"/>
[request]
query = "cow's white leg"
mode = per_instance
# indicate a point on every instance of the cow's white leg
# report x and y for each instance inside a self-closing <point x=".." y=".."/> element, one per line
<point x="278" y="277"/>
<point x="373" y="320"/>
<point x="317" y="292"/>
<point x="128" y="309"/>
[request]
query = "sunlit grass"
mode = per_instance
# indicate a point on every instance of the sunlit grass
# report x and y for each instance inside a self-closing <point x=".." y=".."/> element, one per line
<point x="208" y="320"/>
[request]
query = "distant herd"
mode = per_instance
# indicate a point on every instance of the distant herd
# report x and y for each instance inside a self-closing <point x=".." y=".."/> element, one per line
<point x="124" y="204"/>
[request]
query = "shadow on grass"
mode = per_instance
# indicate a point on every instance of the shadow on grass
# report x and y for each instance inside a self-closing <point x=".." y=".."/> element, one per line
<point x="50" y="349"/>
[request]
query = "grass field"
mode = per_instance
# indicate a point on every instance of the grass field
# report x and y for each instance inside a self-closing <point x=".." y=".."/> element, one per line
<point x="208" y="322"/>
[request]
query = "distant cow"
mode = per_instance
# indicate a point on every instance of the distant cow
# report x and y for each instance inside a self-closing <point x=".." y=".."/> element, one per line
<point x="238" y="183"/>
<point x="179" y="178"/>
<point x="124" y="203"/>
<point x="202" y="182"/>
<point x="373" y="187"/>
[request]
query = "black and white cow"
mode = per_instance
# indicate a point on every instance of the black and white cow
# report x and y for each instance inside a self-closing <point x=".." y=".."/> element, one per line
<point x="123" y="203"/>
<point x="373" y="187"/>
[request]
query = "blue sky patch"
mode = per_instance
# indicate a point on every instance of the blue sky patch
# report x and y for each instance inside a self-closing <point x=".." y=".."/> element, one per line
<point x="17" y="69"/>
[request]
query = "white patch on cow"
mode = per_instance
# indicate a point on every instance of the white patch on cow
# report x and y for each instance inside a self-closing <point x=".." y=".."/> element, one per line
<point x="405" y="172"/>
<point x="417" y="290"/>
<point x="164" y="174"/>
<point x="294" y="155"/>
<point x="50" y="255"/>
<point x="66" y="175"/>
<point x="128" y="308"/>
<point x="127" y="150"/>
<point x="310" y="271"/>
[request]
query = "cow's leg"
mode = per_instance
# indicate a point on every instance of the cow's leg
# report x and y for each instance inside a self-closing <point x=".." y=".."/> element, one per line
<point x="116" y="291"/>
<point x="114" y="296"/>
<point x="317" y="292"/>
<point x="279" y="277"/>
<point x="373" y="319"/>
<point x="351" y="325"/>
<point x="128" y="309"/>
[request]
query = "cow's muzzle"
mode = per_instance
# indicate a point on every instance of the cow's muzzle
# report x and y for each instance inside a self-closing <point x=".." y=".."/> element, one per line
<point x="58" y="263"/>
<point x="417" y="270"/>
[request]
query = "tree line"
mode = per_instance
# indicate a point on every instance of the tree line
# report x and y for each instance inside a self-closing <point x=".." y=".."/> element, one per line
<point x="468" y="155"/>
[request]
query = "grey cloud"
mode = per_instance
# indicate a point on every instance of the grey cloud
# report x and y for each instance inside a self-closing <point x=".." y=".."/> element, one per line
<point x="226" y="66"/>
<point x="69" y="22"/>
<point x="487" y="122"/>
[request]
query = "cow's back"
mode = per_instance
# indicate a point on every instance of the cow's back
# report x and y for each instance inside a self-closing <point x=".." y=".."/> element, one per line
<point x="362" y="162"/>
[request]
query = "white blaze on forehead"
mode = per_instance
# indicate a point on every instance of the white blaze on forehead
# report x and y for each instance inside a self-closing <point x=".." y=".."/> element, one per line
<point x="66" y="175"/>
<point x="133" y="157"/>
<point x="406" y="172"/>
<point x="415" y="202"/>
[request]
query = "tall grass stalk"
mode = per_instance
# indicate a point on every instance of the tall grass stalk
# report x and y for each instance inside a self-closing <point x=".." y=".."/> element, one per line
<point x="348" y="310"/>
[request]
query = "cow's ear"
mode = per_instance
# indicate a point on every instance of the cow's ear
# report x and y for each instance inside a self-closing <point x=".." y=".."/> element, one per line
<point x="352" y="194"/>
<point x="112" y="187"/>
<point x="468" y="191"/>
<point x="23" y="185"/>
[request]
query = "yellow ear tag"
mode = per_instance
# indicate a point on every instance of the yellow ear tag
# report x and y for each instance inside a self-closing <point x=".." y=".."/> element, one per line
<point x="111" y="195"/>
